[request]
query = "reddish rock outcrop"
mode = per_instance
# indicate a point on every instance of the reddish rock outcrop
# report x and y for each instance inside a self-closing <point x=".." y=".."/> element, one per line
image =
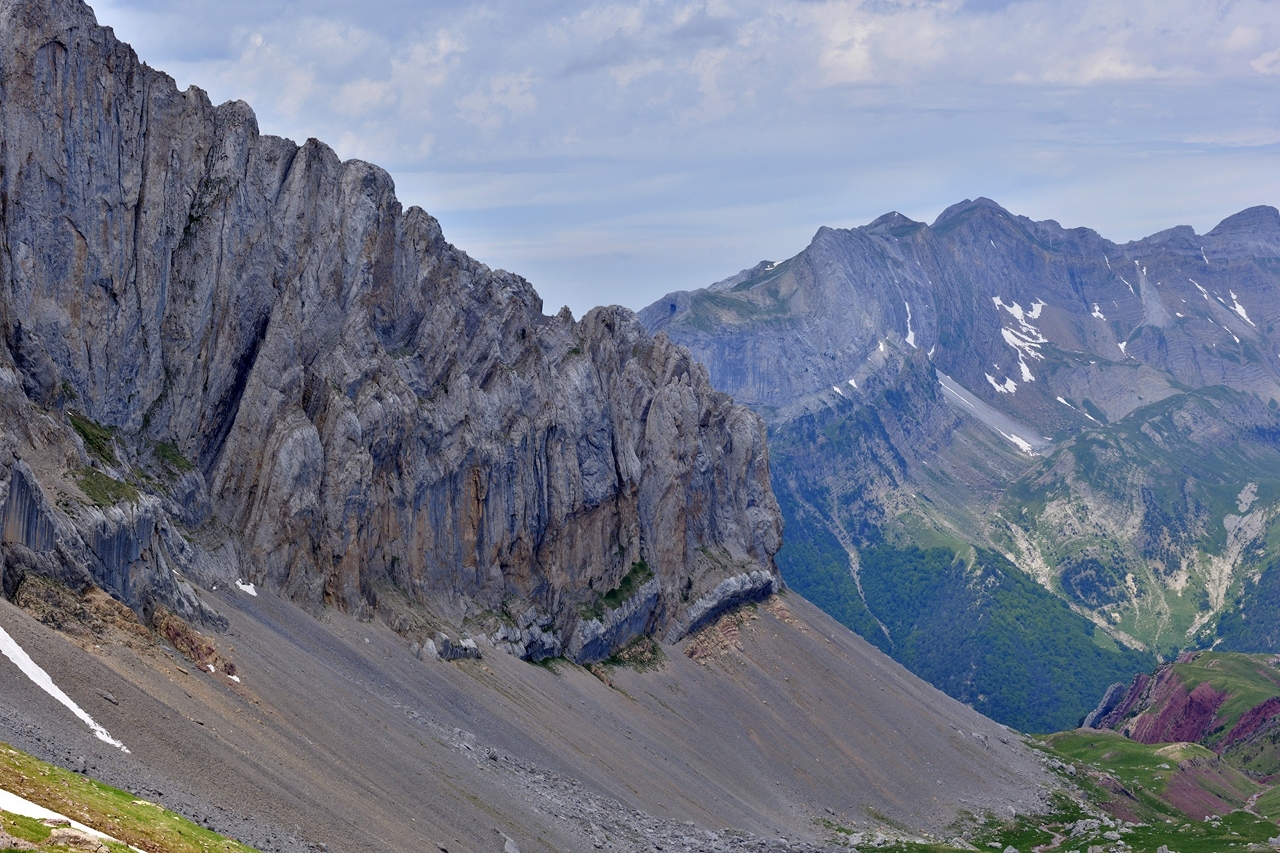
<point x="1177" y="714"/>
<point x="1257" y="719"/>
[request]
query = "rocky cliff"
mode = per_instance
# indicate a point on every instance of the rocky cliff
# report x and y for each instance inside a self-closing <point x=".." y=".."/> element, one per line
<point x="227" y="356"/>
<point x="1225" y="701"/>
<point x="1103" y="415"/>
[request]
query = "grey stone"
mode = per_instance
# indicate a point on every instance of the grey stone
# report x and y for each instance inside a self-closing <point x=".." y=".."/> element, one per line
<point x="364" y="406"/>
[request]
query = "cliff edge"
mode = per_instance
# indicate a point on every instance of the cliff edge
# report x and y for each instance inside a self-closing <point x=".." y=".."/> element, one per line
<point x="227" y="357"/>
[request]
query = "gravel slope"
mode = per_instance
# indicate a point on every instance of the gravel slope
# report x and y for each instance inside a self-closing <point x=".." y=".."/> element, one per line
<point x="337" y="736"/>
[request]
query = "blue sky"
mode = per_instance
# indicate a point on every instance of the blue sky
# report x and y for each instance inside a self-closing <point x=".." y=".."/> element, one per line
<point x="612" y="152"/>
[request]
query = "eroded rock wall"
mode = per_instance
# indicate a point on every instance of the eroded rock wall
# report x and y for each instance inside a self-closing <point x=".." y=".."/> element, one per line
<point x="363" y="406"/>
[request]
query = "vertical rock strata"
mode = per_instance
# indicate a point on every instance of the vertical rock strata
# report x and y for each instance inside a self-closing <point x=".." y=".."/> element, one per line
<point x="364" y="407"/>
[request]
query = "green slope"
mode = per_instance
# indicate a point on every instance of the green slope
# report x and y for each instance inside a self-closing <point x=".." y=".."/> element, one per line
<point x="971" y="624"/>
<point x="116" y="813"/>
<point x="1155" y="523"/>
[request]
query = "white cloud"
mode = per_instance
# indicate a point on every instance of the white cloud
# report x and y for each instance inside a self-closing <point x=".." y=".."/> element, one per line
<point x="518" y="123"/>
<point x="365" y="95"/>
<point x="498" y="99"/>
<point x="1267" y="63"/>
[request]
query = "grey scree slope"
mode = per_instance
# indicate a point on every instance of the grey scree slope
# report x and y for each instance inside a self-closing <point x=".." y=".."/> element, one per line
<point x="332" y="739"/>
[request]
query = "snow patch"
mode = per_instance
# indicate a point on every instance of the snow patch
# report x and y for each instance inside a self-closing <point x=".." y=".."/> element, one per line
<point x="14" y="804"/>
<point x="1122" y="345"/>
<point x="1108" y="260"/>
<point x="234" y="678"/>
<point x="32" y="670"/>
<point x="854" y="384"/>
<point x="1130" y="286"/>
<point x="1097" y="312"/>
<point x="836" y="388"/>
<point x="1027" y="340"/>
<point x="1025" y="347"/>
<point x="1015" y="309"/>
<point x="1203" y="255"/>
<point x="1021" y="443"/>
<point x="1006" y="387"/>
<point x="1065" y="403"/>
<point x="882" y="346"/>
<point x="911" y="335"/>
<point x="1240" y="309"/>
<point x="246" y="587"/>
<point x="1203" y="292"/>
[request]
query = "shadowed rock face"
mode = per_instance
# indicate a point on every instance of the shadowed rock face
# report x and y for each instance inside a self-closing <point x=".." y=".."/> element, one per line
<point x="363" y="406"/>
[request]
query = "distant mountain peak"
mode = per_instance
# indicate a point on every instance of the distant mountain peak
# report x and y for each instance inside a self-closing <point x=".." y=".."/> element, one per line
<point x="1144" y="375"/>
<point x="959" y="208"/>
<point x="1261" y="218"/>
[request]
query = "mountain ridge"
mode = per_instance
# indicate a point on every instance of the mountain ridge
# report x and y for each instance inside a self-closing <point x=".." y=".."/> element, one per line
<point x="1067" y="408"/>
<point x="319" y="384"/>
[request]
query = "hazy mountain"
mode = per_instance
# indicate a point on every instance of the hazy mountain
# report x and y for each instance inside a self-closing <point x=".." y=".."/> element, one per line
<point x="1013" y="393"/>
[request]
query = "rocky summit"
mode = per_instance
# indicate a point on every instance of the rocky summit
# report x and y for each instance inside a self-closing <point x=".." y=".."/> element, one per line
<point x="989" y="428"/>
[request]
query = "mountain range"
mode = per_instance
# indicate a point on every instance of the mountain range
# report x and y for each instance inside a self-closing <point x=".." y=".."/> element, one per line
<point x="1022" y="459"/>
<point x="322" y="534"/>
<point x="319" y="532"/>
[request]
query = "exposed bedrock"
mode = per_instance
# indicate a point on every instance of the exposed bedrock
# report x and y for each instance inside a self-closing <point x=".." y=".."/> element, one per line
<point x="362" y="407"/>
<point x="596" y="638"/>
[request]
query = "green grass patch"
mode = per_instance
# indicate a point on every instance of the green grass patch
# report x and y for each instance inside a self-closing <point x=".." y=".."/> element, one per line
<point x="169" y="455"/>
<point x="111" y="810"/>
<point x="639" y="574"/>
<point x="1268" y="805"/>
<point x="26" y="828"/>
<point x="1142" y="770"/>
<point x="98" y="439"/>
<point x="1130" y="762"/>
<point x="553" y="665"/>
<point x="103" y="490"/>
<point x="636" y="577"/>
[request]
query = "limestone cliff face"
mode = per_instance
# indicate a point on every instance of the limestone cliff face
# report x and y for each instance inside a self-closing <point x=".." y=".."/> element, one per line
<point x="312" y="383"/>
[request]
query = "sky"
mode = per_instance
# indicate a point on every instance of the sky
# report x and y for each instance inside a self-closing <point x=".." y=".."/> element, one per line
<point x="611" y="152"/>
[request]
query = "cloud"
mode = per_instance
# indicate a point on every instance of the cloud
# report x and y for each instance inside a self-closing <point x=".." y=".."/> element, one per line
<point x="1267" y="63"/>
<point x="518" y="122"/>
<point x="498" y="99"/>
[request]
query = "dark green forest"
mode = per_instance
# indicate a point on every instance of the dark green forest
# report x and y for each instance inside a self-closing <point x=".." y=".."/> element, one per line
<point x="979" y="629"/>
